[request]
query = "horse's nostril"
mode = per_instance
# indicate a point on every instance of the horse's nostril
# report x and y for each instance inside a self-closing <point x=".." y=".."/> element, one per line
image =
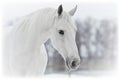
<point x="73" y="64"/>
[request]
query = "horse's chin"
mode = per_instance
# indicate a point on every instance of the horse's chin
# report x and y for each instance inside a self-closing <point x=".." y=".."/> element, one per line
<point x="70" y="69"/>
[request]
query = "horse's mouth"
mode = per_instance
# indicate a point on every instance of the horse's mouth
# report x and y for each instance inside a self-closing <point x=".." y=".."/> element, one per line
<point x="68" y="66"/>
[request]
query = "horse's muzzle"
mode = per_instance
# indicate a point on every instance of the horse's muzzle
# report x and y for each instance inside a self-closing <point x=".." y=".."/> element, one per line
<point x="72" y="64"/>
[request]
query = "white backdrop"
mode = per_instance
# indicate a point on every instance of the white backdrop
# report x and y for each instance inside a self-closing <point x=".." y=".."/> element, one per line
<point x="96" y="10"/>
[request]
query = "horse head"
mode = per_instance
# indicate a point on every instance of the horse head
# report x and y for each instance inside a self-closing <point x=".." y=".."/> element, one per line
<point x="63" y="37"/>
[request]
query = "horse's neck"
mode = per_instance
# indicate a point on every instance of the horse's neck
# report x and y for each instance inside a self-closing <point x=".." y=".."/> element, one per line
<point x="25" y="43"/>
<point x="34" y="30"/>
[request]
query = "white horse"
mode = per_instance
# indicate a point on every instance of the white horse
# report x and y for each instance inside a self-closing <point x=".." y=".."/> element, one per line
<point x="24" y="50"/>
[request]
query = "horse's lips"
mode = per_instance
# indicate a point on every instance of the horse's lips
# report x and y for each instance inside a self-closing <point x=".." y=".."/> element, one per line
<point x="67" y="65"/>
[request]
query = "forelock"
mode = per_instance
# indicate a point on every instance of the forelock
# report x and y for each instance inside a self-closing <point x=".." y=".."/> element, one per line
<point x="67" y="18"/>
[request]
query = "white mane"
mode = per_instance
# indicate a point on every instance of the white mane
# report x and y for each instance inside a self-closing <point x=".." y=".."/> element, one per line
<point x="25" y="40"/>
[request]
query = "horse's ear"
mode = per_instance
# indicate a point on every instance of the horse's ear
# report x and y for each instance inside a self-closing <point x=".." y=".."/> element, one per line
<point x="72" y="12"/>
<point x="60" y="10"/>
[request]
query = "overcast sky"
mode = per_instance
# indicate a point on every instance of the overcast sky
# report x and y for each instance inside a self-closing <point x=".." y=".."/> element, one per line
<point x="97" y="11"/>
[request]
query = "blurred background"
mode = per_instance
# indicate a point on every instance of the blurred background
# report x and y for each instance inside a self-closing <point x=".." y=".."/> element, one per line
<point x="96" y="36"/>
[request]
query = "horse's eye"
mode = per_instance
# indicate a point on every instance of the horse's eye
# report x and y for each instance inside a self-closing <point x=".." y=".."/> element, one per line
<point x="61" y="32"/>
